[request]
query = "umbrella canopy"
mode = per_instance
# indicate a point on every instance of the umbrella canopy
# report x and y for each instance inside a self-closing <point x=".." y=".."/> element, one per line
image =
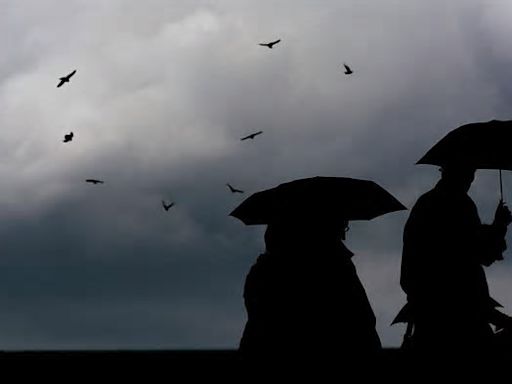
<point x="478" y="145"/>
<point x="318" y="198"/>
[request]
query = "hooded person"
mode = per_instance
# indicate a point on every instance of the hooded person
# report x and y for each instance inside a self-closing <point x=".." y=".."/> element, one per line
<point x="303" y="296"/>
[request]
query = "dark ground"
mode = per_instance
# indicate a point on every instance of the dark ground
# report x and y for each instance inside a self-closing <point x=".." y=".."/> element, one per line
<point x="72" y="365"/>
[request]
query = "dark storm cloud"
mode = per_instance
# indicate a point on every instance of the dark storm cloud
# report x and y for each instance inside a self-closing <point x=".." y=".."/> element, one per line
<point x="162" y="95"/>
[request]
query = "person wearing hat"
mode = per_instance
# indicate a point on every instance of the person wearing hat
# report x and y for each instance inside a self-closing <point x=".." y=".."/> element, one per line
<point x="445" y="247"/>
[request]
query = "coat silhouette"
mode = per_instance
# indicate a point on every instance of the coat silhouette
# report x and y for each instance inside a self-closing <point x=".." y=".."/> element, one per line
<point x="304" y="298"/>
<point x="445" y="246"/>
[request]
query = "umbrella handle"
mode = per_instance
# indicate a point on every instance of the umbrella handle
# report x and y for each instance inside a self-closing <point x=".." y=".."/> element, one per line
<point x="501" y="188"/>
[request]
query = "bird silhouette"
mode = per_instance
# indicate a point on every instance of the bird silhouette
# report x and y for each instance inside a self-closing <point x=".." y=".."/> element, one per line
<point x="271" y="44"/>
<point x="94" y="181"/>
<point x="68" y="137"/>
<point x="167" y="206"/>
<point x="234" y="190"/>
<point x="251" y="136"/>
<point x="65" y="79"/>
<point x="348" y="71"/>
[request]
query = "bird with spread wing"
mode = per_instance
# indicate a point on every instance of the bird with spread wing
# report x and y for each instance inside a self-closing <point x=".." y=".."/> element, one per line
<point x="234" y="190"/>
<point x="348" y="70"/>
<point x="68" y="137"/>
<point x="167" y="206"/>
<point x="65" y="79"/>
<point x="94" y="181"/>
<point x="251" y="136"/>
<point x="271" y="44"/>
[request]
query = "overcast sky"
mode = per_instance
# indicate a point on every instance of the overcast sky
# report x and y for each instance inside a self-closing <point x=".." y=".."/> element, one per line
<point x="163" y="92"/>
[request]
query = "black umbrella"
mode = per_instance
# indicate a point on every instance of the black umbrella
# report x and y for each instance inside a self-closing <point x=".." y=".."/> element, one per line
<point x="478" y="145"/>
<point x="318" y="197"/>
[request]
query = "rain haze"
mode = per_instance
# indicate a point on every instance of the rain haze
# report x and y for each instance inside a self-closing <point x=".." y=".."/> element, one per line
<point x="163" y="92"/>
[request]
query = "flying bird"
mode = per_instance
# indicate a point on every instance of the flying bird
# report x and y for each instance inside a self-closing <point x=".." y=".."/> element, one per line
<point x="348" y="71"/>
<point x="68" y="137"/>
<point x="271" y="44"/>
<point x="167" y="206"/>
<point x="234" y="190"/>
<point x="65" y="79"/>
<point x="94" y="181"/>
<point x="251" y="136"/>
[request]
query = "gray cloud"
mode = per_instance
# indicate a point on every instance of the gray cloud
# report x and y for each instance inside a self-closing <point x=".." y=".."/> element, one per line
<point x="163" y="92"/>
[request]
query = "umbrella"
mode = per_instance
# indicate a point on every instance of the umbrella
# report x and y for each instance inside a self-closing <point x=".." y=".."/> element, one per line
<point x="318" y="197"/>
<point x="483" y="145"/>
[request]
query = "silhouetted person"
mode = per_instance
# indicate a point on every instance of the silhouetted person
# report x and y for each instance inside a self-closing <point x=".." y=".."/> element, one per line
<point x="65" y="79"/>
<point x="271" y="44"/>
<point x="303" y="296"/>
<point x="445" y="247"/>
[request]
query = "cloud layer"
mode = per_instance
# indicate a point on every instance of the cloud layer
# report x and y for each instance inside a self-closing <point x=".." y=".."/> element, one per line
<point x="163" y="92"/>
